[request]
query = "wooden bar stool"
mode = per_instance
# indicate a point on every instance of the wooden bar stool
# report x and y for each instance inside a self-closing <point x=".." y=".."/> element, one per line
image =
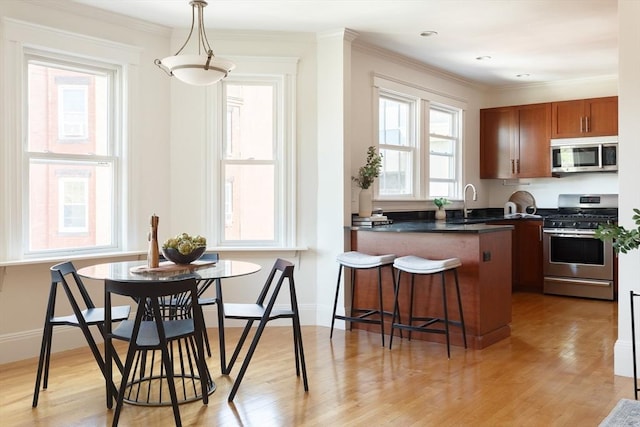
<point x="359" y="261"/>
<point x="416" y="265"/>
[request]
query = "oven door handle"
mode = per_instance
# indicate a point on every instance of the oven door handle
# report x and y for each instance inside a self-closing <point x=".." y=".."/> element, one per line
<point x="603" y="283"/>
<point x="579" y="234"/>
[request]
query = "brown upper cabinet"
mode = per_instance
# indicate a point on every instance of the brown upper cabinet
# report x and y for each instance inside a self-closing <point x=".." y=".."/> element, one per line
<point x="514" y="141"/>
<point x="585" y="117"/>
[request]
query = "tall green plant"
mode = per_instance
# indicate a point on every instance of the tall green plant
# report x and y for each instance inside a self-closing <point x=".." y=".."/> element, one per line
<point x="370" y="171"/>
<point x="623" y="240"/>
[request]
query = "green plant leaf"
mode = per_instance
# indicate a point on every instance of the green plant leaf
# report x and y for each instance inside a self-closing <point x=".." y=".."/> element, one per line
<point x="623" y="240"/>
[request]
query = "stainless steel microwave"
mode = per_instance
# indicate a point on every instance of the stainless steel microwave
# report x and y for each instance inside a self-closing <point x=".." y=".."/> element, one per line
<point x="584" y="155"/>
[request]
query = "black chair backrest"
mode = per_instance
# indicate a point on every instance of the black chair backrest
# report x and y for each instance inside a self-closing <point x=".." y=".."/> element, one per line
<point x="159" y="299"/>
<point x="150" y="289"/>
<point x="285" y="270"/>
<point x="65" y="274"/>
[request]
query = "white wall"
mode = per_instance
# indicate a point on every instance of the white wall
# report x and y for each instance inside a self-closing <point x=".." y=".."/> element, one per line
<point x="629" y="111"/>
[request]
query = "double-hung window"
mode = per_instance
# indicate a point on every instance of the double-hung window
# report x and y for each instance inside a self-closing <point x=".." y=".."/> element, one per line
<point x="419" y="139"/>
<point x="64" y="115"/>
<point x="397" y="144"/>
<point x="70" y="155"/>
<point x="253" y="194"/>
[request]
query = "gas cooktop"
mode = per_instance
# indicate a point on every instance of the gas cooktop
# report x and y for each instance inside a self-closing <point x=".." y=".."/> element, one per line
<point x="583" y="211"/>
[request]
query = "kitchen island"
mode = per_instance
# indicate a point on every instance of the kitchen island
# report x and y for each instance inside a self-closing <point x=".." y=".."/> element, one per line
<point x="485" y="275"/>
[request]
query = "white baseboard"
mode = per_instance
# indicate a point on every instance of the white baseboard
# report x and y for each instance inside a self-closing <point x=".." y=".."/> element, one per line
<point x="26" y="344"/>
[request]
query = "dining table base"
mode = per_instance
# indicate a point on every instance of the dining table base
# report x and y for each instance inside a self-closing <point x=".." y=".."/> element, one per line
<point x="148" y="383"/>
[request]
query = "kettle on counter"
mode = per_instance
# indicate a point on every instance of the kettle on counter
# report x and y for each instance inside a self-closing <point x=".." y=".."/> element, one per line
<point x="510" y="208"/>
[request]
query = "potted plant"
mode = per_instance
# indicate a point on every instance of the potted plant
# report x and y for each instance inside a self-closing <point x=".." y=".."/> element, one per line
<point x="366" y="175"/>
<point x="441" y="202"/>
<point x="623" y="240"/>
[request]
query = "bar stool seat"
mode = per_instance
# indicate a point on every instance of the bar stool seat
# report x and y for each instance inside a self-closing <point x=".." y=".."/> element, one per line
<point x="361" y="261"/>
<point x="416" y="265"/>
<point x="355" y="259"/>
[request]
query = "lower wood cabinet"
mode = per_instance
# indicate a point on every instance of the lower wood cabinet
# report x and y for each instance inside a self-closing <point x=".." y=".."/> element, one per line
<point x="527" y="268"/>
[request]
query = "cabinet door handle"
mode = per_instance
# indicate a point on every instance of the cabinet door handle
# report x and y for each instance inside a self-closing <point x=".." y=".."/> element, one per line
<point x="513" y="166"/>
<point x="518" y="165"/>
<point x="581" y="126"/>
<point x="586" y="124"/>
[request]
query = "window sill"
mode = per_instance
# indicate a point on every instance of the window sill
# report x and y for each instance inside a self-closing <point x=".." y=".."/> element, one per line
<point x="141" y="255"/>
<point x="57" y="259"/>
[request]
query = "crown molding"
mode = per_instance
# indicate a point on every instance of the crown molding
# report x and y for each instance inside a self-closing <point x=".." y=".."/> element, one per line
<point x="415" y="64"/>
<point x="89" y="12"/>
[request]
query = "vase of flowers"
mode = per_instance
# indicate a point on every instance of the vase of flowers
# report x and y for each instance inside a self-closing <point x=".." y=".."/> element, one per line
<point x="440" y="203"/>
<point x="366" y="175"/>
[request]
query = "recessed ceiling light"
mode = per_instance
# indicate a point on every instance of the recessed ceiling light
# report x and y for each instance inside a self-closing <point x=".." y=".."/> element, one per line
<point x="523" y="75"/>
<point x="429" y="33"/>
<point x="483" y="58"/>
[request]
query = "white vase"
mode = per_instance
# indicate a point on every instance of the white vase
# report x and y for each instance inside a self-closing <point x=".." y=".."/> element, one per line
<point x="365" y="203"/>
<point x="441" y="214"/>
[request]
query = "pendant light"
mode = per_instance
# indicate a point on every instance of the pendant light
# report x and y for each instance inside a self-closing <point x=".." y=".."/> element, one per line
<point x="198" y="69"/>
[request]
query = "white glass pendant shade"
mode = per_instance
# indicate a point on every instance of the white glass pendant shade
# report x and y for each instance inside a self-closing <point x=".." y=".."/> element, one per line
<point x="192" y="69"/>
<point x="196" y="69"/>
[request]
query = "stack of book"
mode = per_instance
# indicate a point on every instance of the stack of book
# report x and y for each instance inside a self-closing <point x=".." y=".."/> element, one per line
<point x="370" y="221"/>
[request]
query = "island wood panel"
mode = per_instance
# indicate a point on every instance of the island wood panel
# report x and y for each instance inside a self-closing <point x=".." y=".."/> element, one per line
<point x="485" y="285"/>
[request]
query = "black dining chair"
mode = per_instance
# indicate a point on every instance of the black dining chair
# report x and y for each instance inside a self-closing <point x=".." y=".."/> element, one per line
<point x="263" y="311"/>
<point x="169" y="320"/>
<point x="203" y="285"/>
<point x="84" y="314"/>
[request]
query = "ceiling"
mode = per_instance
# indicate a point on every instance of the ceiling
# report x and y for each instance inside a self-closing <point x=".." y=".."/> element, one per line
<point x="538" y="40"/>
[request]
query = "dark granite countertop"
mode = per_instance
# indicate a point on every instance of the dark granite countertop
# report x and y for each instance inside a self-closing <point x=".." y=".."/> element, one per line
<point x="481" y="221"/>
<point x="435" y="227"/>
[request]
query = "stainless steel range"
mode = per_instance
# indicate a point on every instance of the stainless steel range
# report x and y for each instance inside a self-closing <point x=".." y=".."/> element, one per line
<point x="576" y="263"/>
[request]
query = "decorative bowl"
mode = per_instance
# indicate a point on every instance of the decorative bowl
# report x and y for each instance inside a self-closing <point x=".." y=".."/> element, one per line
<point x="175" y="256"/>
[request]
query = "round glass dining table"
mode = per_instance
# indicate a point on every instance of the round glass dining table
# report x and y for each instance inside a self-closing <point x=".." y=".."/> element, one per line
<point x="205" y="272"/>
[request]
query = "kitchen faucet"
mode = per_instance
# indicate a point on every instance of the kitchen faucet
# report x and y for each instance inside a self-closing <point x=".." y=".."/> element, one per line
<point x="464" y="198"/>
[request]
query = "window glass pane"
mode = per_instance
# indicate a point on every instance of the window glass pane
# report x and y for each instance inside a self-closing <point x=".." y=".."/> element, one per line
<point x="441" y="167"/>
<point x="441" y="122"/>
<point x="441" y="146"/>
<point x="443" y="170"/>
<point x="249" y="212"/>
<point x="72" y="112"/>
<point x="68" y="110"/>
<point x="440" y="189"/>
<point x="73" y="194"/>
<point x="250" y="122"/>
<point x="70" y="205"/>
<point x="396" y="177"/>
<point x="394" y="122"/>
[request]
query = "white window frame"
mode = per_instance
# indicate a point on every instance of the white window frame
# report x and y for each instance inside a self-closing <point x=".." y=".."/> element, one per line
<point x="21" y="39"/>
<point x="281" y="72"/>
<point x="424" y="99"/>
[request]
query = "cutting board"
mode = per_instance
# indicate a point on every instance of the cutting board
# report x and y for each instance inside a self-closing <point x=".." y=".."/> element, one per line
<point x="522" y="199"/>
<point x="171" y="268"/>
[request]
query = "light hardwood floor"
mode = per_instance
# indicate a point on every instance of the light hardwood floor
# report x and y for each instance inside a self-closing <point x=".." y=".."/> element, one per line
<point x="555" y="370"/>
